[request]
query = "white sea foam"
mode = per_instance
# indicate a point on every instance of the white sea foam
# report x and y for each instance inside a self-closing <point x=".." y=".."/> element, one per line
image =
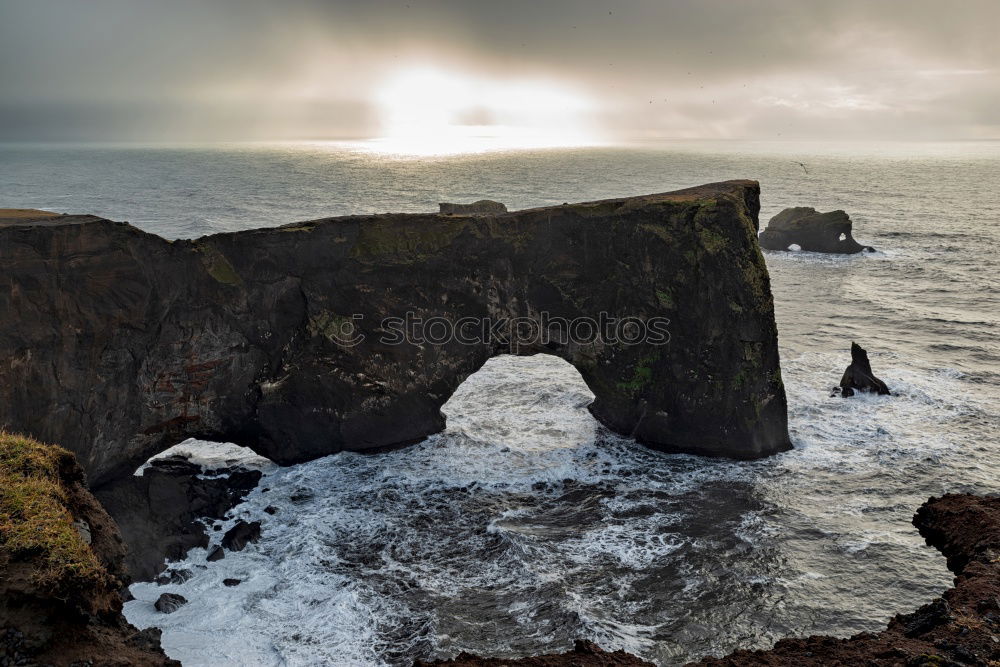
<point x="214" y="455"/>
<point x="375" y="560"/>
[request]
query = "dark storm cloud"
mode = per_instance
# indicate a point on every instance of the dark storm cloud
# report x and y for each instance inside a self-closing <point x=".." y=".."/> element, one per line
<point x="132" y="69"/>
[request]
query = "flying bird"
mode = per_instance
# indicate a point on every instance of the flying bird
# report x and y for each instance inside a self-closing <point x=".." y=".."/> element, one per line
<point x="803" y="167"/>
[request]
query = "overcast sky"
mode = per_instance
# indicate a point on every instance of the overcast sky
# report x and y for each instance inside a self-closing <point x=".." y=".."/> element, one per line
<point x="658" y="69"/>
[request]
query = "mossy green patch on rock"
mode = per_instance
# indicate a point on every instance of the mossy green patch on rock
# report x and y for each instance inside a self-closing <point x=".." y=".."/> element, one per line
<point x="665" y="297"/>
<point x="755" y="278"/>
<point x="709" y="234"/>
<point x="218" y="266"/>
<point x="658" y="230"/>
<point x="385" y="238"/>
<point x="329" y="325"/>
<point x="642" y="374"/>
<point x="711" y="239"/>
<point x="35" y="520"/>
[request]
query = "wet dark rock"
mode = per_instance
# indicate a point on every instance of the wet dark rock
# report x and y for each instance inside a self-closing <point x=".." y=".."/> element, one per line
<point x="926" y="618"/>
<point x="584" y="654"/>
<point x="174" y="577"/>
<point x="118" y="343"/>
<point x="481" y="207"/>
<point x="954" y="629"/>
<point x="811" y="231"/>
<point x="859" y="375"/>
<point x="215" y="553"/>
<point x="271" y="509"/>
<point x="162" y="513"/>
<point x="168" y="603"/>
<point x="301" y="496"/>
<point x="231" y="582"/>
<point x="240" y="535"/>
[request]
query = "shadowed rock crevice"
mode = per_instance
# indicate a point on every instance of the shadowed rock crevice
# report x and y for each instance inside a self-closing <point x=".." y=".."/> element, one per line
<point x="118" y="343"/>
<point x="163" y="513"/>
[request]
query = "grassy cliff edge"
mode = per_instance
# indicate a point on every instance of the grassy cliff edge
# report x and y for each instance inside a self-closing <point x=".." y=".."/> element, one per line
<point x="36" y="521"/>
<point x="61" y="566"/>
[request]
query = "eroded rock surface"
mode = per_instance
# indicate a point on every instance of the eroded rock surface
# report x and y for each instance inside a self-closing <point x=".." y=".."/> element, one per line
<point x="962" y="627"/>
<point x="117" y="343"/>
<point x="811" y="231"/>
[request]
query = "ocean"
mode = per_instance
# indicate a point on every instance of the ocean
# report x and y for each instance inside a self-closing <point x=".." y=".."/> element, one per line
<point x="526" y="524"/>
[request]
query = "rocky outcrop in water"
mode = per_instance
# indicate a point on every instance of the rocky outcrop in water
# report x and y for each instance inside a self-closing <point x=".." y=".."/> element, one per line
<point x="59" y="585"/>
<point x="859" y="375"/>
<point x="484" y="206"/>
<point x="584" y="654"/>
<point x="161" y="513"/>
<point x="239" y="536"/>
<point x="962" y="627"/>
<point x="168" y="603"/>
<point x="117" y="343"/>
<point x="812" y="231"/>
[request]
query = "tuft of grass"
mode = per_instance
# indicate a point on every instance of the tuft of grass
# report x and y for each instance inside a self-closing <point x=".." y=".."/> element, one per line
<point x="35" y="521"/>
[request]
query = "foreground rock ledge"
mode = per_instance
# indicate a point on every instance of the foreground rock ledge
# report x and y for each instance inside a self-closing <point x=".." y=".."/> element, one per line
<point x="62" y="565"/>
<point x="118" y="344"/>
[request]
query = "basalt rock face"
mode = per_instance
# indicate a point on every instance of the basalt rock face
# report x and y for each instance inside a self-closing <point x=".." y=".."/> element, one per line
<point x="61" y="567"/>
<point x="962" y="627"/>
<point x="162" y="513"/>
<point x="811" y="231"/>
<point x="117" y="343"/>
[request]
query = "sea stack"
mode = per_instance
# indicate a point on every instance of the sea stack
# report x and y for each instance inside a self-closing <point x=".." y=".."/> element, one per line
<point x="811" y="231"/>
<point x="859" y="376"/>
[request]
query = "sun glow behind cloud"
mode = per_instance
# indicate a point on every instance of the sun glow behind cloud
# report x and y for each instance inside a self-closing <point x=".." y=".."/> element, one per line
<point x="430" y="111"/>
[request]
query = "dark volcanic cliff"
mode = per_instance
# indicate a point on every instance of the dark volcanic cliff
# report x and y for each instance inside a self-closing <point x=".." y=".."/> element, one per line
<point x="117" y="343"/>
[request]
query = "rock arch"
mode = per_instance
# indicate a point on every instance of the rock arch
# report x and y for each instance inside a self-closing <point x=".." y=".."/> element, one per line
<point x="118" y="343"/>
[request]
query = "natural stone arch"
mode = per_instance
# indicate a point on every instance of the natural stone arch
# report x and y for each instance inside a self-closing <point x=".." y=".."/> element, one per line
<point x="124" y="344"/>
